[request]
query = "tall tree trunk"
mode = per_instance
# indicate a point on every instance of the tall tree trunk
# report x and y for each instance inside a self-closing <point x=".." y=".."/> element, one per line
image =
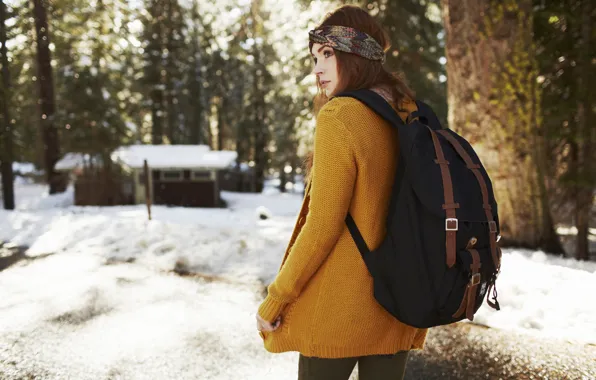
<point x="239" y="155"/>
<point x="283" y="178"/>
<point x="171" y="127"/>
<point x="493" y="102"/>
<point x="156" y="114"/>
<point x="260" y="155"/>
<point x="155" y="78"/>
<point x="46" y="96"/>
<point x="221" y="122"/>
<point x="197" y="135"/>
<point x="210" y="139"/>
<point x="6" y="154"/>
<point x="585" y="144"/>
<point x="549" y="240"/>
<point x="196" y="81"/>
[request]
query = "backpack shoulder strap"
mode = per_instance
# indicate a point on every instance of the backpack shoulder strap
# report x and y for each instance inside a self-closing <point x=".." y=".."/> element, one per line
<point x="376" y="102"/>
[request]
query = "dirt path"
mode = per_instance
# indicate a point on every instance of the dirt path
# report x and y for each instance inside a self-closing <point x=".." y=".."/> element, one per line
<point x="466" y="351"/>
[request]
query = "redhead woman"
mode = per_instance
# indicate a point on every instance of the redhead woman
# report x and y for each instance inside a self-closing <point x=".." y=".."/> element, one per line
<point x="321" y="303"/>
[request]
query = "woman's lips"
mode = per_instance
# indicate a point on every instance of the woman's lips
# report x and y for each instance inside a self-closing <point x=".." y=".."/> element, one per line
<point x="324" y="83"/>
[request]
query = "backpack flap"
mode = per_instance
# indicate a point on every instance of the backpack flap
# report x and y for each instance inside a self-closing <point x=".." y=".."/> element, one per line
<point x="428" y="184"/>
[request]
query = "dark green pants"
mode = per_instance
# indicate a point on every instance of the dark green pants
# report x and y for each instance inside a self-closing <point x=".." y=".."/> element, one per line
<point x="369" y="367"/>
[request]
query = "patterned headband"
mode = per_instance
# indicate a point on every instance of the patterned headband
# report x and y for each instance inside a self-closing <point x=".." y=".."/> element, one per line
<point x="348" y="40"/>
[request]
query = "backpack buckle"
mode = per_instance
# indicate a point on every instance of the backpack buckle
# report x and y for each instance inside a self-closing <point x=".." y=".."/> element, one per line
<point x="475" y="279"/>
<point x="492" y="226"/>
<point x="453" y="226"/>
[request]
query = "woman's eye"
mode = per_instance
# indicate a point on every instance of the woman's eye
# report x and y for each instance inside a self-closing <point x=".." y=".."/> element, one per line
<point x="327" y="53"/>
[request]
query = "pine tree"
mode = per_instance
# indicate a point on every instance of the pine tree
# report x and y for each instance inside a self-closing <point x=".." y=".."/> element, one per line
<point x="90" y="56"/>
<point x="163" y="37"/>
<point x="6" y="134"/>
<point x="174" y="44"/>
<point x="261" y="80"/>
<point x="196" y="102"/>
<point x="154" y="79"/>
<point x="49" y="132"/>
<point x="24" y="88"/>
<point x="565" y="51"/>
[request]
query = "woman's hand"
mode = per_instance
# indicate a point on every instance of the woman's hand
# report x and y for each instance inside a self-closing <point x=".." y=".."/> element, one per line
<point x="263" y="325"/>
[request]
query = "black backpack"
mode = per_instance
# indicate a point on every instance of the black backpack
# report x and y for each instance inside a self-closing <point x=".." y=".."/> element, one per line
<point x="440" y="255"/>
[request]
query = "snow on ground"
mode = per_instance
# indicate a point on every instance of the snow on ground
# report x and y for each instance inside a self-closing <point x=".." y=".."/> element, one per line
<point x="75" y="315"/>
<point x="35" y="197"/>
<point x="539" y="294"/>
<point x="545" y="296"/>
<point x="233" y="242"/>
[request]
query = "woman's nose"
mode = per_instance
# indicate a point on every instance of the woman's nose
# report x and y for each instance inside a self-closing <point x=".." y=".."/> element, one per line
<point x="318" y="70"/>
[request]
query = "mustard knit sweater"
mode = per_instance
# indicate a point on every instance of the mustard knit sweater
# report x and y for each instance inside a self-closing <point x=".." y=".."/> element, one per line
<point x="323" y="291"/>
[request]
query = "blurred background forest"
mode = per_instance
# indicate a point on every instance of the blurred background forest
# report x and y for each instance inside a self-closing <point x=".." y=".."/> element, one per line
<point x="515" y="78"/>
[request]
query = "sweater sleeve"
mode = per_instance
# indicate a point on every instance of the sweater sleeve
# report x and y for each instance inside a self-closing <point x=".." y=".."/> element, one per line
<point x="333" y="178"/>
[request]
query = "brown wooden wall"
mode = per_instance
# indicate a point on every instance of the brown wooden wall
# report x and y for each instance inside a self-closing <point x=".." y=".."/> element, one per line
<point x="231" y="180"/>
<point x="100" y="188"/>
<point x="185" y="193"/>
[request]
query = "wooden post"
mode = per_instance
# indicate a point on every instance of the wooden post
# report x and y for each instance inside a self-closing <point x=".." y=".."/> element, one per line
<point x="147" y="189"/>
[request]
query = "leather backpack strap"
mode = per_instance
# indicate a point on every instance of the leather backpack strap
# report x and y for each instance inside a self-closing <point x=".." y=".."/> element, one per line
<point x="468" y="302"/>
<point x="484" y="188"/>
<point x="451" y="222"/>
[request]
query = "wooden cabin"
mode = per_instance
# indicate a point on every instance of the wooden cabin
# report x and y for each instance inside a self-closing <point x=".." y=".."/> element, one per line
<point x="180" y="175"/>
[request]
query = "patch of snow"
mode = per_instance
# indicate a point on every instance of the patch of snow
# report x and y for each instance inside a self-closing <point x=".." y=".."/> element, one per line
<point x="544" y="295"/>
<point x="76" y="315"/>
<point x="23" y="167"/>
<point x="174" y="156"/>
<point x="232" y="242"/>
<point x="31" y="196"/>
<point x="564" y="230"/>
<point x="70" y="161"/>
<point x="160" y="157"/>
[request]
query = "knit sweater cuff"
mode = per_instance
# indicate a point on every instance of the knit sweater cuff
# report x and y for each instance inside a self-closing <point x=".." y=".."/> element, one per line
<point x="270" y="309"/>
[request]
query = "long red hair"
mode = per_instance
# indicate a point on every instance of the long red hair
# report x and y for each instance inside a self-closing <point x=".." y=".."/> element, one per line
<point x="356" y="72"/>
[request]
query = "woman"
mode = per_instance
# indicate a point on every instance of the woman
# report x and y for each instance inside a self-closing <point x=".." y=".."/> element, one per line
<point x="321" y="303"/>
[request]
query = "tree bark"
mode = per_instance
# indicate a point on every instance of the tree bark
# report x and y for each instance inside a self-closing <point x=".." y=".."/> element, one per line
<point x="154" y="71"/>
<point x="260" y="155"/>
<point x="195" y="83"/>
<point x="46" y="96"/>
<point x="283" y="178"/>
<point x="6" y="134"/>
<point x="221" y="109"/>
<point x="585" y="143"/>
<point x="494" y="103"/>
<point x="170" y="66"/>
<point x="260" y="136"/>
<point x="172" y="129"/>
